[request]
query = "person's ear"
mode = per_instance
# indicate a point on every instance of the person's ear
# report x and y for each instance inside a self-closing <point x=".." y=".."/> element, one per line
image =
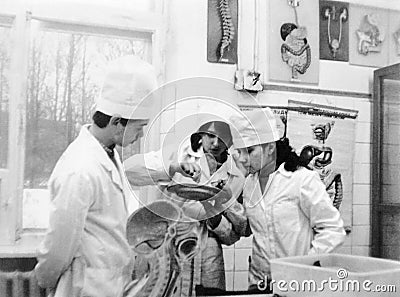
<point x="114" y="121"/>
<point x="270" y="148"/>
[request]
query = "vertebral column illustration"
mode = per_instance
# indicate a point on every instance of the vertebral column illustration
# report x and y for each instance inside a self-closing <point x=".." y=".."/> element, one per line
<point x="227" y="28"/>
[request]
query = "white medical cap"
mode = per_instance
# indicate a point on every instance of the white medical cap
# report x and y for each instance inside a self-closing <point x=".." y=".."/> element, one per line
<point x="254" y="127"/>
<point x="128" y="82"/>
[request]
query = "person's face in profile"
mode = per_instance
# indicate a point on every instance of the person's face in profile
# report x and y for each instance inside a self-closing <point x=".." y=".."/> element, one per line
<point x="254" y="158"/>
<point x="132" y="132"/>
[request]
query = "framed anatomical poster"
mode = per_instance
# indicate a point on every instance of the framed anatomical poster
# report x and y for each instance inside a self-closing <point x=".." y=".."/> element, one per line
<point x="368" y="36"/>
<point x="293" y="41"/>
<point x="334" y="31"/>
<point x="222" y="31"/>
<point x="325" y="136"/>
<point x="394" y="37"/>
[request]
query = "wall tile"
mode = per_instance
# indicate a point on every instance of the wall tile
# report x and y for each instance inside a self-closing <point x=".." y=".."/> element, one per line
<point x="344" y="250"/>
<point x="360" y="250"/>
<point x="361" y="215"/>
<point x="363" y="132"/>
<point x="361" y="194"/>
<point x="364" y="108"/>
<point x="361" y="173"/>
<point x="229" y="280"/>
<point x="242" y="259"/>
<point x="229" y="259"/>
<point x="362" y="153"/>
<point x="360" y="235"/>
<point x="240" y="281"/>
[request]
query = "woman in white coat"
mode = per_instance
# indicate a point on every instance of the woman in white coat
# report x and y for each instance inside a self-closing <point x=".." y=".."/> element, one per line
<point x="224" y="222"/>
<point x="289" y="211"/>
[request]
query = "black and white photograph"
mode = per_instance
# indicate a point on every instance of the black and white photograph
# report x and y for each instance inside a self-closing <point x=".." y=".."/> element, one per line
<point x="198" y="148"/>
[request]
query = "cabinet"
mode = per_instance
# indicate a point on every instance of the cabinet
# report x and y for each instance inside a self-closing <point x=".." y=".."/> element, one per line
<point x="385" y="211"/>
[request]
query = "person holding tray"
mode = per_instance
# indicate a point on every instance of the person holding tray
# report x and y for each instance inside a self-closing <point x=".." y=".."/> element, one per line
<point x="222" y="216"/>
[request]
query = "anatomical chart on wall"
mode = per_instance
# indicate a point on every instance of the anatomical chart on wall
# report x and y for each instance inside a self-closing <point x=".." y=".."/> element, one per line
<point x="324" y="135"/>
<point x="222" y="31"/>
<point x="334" y="31"/>
<point x="394" y="37"/>
<point x="368" y="36"/>
<point x="294" y="41"/>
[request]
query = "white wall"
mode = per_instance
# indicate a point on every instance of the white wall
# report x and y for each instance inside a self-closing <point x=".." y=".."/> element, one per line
<point x="186" y="51"/>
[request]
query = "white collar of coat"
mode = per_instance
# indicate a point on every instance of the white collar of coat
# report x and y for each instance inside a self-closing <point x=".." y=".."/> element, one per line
<point x="229" y="164"/>
<point x="100" y="154"/>
<point x="92" y="143"/>
<point x="283" y="171"/>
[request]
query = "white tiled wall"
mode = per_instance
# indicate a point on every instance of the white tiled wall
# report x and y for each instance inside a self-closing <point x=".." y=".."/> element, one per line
<point x="360" y="234"/>
<point x="236" y="270"/>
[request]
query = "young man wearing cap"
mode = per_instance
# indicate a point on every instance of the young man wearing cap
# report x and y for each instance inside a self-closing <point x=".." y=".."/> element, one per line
<point x="85" y="251"/>
<point x="289" y="211"/>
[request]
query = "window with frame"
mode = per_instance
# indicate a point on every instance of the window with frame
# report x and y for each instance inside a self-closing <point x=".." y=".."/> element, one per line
<point x="65" y="72"/>
<point x="48" y="84"/>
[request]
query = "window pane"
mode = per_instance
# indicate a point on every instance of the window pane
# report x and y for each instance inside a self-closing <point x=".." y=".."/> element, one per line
<point x="5" y="46"/>
<point x="65" y="73"/>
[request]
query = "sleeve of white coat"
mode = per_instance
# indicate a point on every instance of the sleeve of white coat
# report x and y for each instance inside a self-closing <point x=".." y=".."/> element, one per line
<point x="324" y="218"/>
<point x="147" y="169"/>
<point x="232" y="225"/>
<point x="234" y="222"/>
<point x="71" y="196"/>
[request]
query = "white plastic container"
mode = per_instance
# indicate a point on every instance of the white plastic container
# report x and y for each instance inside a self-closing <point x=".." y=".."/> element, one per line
<point x="339" y="275"/>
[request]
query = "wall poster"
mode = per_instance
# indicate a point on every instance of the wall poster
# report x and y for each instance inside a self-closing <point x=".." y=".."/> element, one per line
<point x="293" y="41"/>
<point x="334" y="31"/>
<point x="326" y="134"/>
<point x="394" y="37"/>
<point x="222" y="31"/>
<point x="368" y="36"/>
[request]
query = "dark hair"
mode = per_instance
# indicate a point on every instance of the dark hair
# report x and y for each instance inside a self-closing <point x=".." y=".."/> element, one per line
<point x="101" y="120"/>
<point x="286" y="154"/>
<point x="195" y="143"/>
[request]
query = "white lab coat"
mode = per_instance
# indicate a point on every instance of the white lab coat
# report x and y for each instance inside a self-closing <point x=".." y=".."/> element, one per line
<point x="85" y="252"/>
<point x="293" y="217"/>
<point x="233" y="220"/>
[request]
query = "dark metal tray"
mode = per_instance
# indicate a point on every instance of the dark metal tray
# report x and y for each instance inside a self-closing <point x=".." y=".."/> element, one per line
<point x="198" y="192"/>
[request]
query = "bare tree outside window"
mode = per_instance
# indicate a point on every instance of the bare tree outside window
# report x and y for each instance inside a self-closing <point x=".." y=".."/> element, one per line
<point x="64" y="77"/>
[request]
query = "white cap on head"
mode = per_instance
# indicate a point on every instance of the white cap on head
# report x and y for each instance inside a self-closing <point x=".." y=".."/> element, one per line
<point x="255" y="127"/>
<point x="128" y="80"/>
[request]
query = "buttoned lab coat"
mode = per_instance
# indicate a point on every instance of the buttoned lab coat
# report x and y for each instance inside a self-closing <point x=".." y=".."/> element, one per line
<point x="233" y="221"/>
<point x="294" y="216"/>
<point x="85" y="252"/>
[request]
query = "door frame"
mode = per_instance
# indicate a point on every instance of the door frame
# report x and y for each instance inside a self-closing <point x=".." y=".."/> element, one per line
<point x="377" y="206"/>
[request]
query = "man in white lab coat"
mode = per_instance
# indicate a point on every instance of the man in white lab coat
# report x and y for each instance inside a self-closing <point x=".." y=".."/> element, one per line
<point x="85" y="252"/>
